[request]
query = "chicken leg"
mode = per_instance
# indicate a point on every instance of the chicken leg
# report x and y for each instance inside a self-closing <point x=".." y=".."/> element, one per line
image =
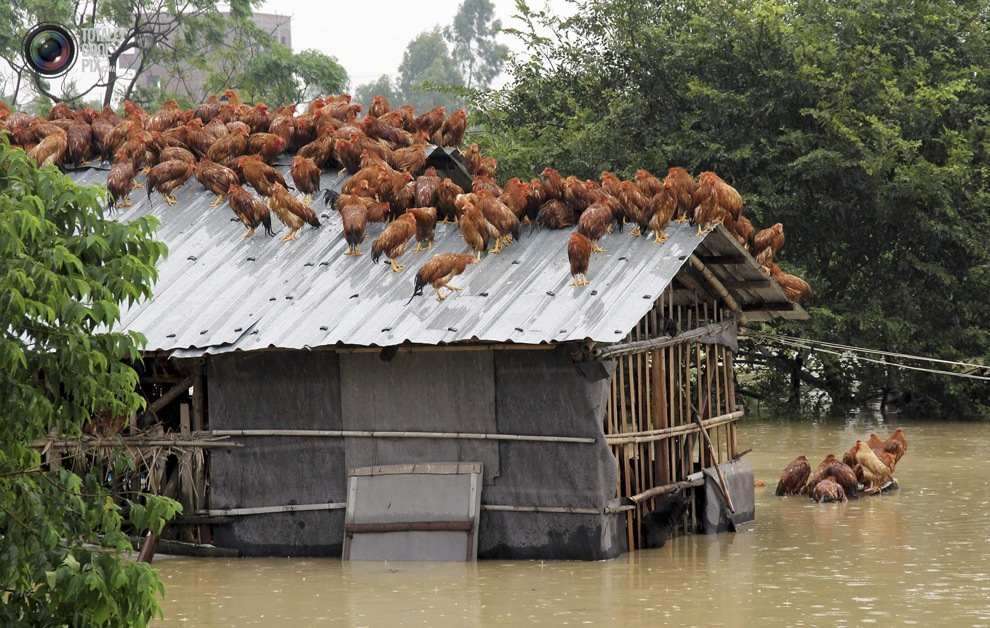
<point x="396" y="268"/>
<point x="580" y="280"/>
<point x="353" y="251"/>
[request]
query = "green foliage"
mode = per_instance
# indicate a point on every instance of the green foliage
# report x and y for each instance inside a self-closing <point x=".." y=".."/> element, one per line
<point x="384" y="86"/>
<point x="278" y="77"/>
<point x="476" y="51"/>
<point x="859" y="124"/>
<point x="427" y="63"/>
<point x="64" y="272"/>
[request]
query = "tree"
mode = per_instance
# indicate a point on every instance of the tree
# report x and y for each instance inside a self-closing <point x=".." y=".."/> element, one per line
<point x="277" y="76"/>
<point x="426" y="68"/>
<point x="148" y="27"/>
<point x="64" y="271"/>
<point x="384" y="86"/>
<point x="475" y="50"/>
<point x="859" y="124"/>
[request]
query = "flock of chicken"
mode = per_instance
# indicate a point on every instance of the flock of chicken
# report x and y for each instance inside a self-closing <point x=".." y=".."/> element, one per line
<point x="866" y="466"/>
<point x="229" y="146"/>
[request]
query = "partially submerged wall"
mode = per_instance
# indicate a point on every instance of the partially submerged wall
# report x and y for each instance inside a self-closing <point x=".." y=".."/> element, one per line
<point x="510" y="392"/>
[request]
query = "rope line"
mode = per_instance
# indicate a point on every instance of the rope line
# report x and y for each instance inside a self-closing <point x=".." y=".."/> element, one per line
<point x="835" y="345"/>
<point x="790" y="341"/>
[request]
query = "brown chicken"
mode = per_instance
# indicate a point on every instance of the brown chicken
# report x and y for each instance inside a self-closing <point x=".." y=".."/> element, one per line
<point x="177" y="152"/>
<point x="268" y="145"/>
<point x="260" y="175"/>
<point x="794" y="477"/>
<point x="553" y="185"/>
<point x="555" y="214"/>
<point x="411" y="159"/>
<point x="896" y="444"/>
<point x="216" y="178"/>
<point x="306" y="175"/>
<point x="355" y="219"/>
<point x="439" y="271"/>
<point x="472" y="158"/>
<point x="120" y="183"/>
<point x="228" y="147"/>
<point x="796" y="289"/>
<point x="771" y="237"/>
<point x="208" y="110"/>
<point x="320" y="150"/>
<point x="452" y="129"/>
<point x="828" y="490"/>
<point x="291" y="211"/>
<point x="250" y="210"/>
<point x="515" y="194"/>
<point x="431" y="121"/>
<point x="635" y="207"/>
<point x="426" y="188"/>
<point x="744" y="230"/>
<point x="875" y="472"/>
<point x="819" y="474"/>
<point x="682" y="186"/>
<point x="283" y="124"/>
<point x="499" y="216"/>
<point x="447" y="193"/>
<point x="426" y="220"/>
<point x="661" y="210"/>
<point x="379" y="106"/>
<point x="594" y="223"/>
<point x="579" y="249"/>
<point x="51" y="149"/>
<point x="167" y="177"/>
<point x="649" y="185"/>
<point x="79" y="140"/>
<point x="392" y="241"/>
<point x="474" y="228"/>
<point x="844" y="475"/>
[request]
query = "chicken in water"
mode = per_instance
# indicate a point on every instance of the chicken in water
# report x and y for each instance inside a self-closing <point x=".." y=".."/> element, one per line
<point x="439" y="271"/>
<point x="794" y="477"/>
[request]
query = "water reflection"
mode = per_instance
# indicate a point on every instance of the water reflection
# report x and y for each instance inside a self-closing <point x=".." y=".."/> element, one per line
<point x="920" y="556"/>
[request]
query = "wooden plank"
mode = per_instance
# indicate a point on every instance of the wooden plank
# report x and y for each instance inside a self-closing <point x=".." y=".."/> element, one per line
<point x="199" y="400"/>
<point x="184" y="422"/>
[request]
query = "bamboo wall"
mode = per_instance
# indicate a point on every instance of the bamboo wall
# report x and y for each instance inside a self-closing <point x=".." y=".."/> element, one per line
<point x="649" y="418"/>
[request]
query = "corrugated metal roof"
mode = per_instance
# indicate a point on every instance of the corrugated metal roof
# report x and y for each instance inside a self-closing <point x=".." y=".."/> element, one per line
<point x="217" y="292"/>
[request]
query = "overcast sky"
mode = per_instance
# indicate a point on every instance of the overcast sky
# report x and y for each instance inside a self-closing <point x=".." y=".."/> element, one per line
<point x="369" y="37"/>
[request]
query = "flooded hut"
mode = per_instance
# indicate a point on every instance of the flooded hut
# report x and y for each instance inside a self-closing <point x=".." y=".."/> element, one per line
<point x="284" y="367"/>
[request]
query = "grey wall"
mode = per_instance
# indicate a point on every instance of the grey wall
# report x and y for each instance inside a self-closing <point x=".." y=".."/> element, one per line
<point x="514" y="392"/>
<point x="278" y="390"/>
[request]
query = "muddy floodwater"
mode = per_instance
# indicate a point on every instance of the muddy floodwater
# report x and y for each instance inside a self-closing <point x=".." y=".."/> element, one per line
<point x="918" y="556"/>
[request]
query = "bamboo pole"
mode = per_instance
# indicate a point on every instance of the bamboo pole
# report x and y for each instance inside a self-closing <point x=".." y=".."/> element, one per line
<point x="669" y="432"/>
<point x="265" y="510"/>
<point x="658" y="491"/>
<point x="427" y="435"/>
<point x="715" y="283"/>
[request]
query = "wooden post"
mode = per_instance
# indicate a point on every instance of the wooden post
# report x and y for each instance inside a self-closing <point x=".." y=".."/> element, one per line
<point x="184" y="419"/>
<point x="199" y="398"/>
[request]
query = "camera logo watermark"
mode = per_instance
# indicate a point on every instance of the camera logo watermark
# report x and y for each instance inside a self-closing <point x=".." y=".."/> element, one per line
<point x="51" y="49"/>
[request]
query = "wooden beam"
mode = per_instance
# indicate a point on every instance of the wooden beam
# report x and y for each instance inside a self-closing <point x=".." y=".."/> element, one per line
<point x="715" y="283"/>
<point x="768" y="307"/>
<point x="653" y="344"/>
<point x="746" y="284"/>
<point x="171" y="394"/>
<point x="723" y="259"/>
<point x="657" y="491"/>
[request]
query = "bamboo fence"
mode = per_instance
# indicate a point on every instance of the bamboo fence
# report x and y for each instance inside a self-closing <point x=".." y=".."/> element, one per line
<point x="654" y="396"/>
